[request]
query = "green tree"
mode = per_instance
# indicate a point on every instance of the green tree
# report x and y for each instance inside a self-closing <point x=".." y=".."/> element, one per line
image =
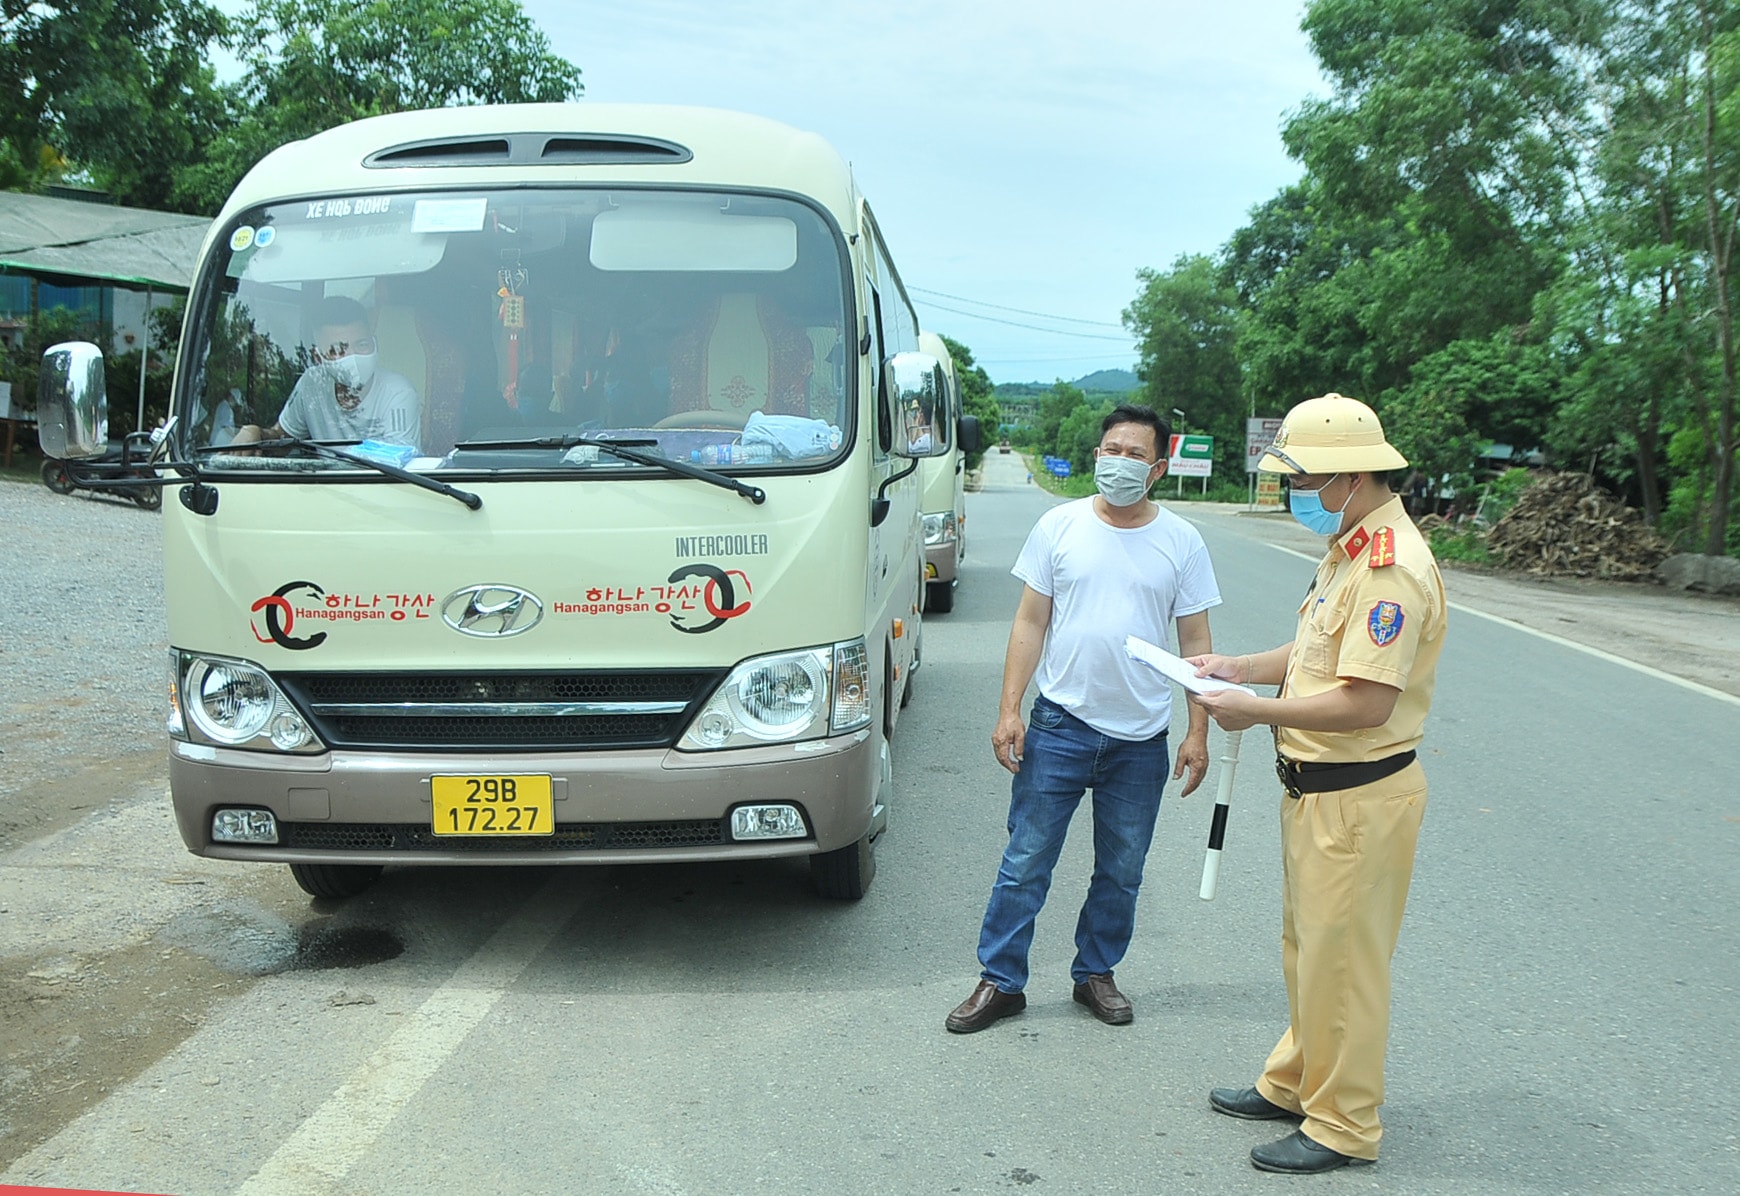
<point x="1471" y="393"/>
<point x="1433" y="173"/>
<point x="1647" y="310"/>
<point x="116" y="93"/>
<point x="1079" y="435"/>
<point x="1294" y="269"/>
<point x="310" y="66"/>
<point x="22" y="366"/>
<point x="1055" y="406"/>
<point x="1712" y="33"/>
<point x="976" y="397"/>
<point x="1186" y="322"/>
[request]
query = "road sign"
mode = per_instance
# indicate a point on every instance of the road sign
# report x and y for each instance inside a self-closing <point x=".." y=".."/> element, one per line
<point x="1259" y="435"/>
<point x="1269" y="490"/>
<point x="1191" y="457"/>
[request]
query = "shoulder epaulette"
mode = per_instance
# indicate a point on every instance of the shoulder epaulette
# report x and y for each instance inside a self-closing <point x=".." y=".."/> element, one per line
<point x="1383" y="548"/>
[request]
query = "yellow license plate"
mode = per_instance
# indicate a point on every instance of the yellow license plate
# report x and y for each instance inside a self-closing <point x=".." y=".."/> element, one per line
<point x="493" y="805"/>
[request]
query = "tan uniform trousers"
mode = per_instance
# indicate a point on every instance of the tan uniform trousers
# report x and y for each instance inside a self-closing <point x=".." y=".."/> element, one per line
<point x="1347" y="859"/>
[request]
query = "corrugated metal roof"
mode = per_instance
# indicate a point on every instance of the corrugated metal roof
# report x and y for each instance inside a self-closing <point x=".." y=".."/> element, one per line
<point x="43" y="235"/>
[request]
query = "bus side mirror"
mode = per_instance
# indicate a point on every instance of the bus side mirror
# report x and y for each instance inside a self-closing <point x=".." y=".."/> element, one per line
<point x="968" y="435"/>
<point x="72" y="402"/>
<point x="916" y="387"/>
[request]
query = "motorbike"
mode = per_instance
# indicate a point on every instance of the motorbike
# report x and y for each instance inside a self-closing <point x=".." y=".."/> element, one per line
<point x="116" y="472"/>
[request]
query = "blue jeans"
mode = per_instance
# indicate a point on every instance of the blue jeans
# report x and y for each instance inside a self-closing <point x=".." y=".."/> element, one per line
<point x="1063" y="758"/>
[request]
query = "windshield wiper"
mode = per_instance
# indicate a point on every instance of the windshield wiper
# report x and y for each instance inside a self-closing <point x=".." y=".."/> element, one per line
<point x="320" y="449"/>
<point x="628" y="450"/>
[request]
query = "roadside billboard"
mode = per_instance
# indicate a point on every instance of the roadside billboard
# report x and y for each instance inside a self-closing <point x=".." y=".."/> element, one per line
<point x="1259" y="435"/>
<point x="1191" y="457"/>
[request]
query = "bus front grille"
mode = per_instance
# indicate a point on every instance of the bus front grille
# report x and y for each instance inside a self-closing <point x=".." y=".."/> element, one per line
<point x="524" y="711"/>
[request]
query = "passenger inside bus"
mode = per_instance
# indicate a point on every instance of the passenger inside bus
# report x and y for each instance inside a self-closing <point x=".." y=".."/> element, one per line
<point x="343" y="395"/>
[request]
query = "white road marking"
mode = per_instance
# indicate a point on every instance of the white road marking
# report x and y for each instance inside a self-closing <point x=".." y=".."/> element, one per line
<point x="335" y="1137"/>
<point x="1646" y="670"/>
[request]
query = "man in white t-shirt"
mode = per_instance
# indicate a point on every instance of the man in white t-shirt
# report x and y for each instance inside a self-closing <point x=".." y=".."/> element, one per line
<point x="343" y="395"/>
<point x="1096" y="570"/>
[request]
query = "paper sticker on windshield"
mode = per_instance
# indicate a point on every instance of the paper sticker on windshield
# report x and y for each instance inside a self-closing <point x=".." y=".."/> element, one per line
<point x="265" y="236"/>
<point x="448" y="215"/>
<point x="241" y="238"/>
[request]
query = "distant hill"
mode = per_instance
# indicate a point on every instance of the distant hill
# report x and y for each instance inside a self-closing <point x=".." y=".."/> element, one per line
<point x="1105" y="382"/>
<point x="1116" y="382"/>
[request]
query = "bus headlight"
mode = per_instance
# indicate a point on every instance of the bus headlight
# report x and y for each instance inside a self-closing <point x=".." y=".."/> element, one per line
<point x="939" y="528"/>
<point x="783" y="697"/>
<point x="232" y="703"/>
<point x="779" y="695"/>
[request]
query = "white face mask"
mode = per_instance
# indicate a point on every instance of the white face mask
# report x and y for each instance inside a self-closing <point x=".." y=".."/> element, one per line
<point x="1122" y="481"/>
<point x="355" y="370"/>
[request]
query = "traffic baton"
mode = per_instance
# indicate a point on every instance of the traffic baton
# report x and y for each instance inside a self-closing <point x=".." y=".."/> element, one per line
<point x="1229" y="764"/>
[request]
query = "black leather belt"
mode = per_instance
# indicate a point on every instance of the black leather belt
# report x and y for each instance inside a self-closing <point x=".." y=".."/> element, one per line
<point x="1300" y="779"/>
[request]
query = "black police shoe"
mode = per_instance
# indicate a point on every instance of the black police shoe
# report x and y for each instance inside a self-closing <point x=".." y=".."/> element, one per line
<point x="1298" y="1155"/>
<point x="1247" y="1104"/>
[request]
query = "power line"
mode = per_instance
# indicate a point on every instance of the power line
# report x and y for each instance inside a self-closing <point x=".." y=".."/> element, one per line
<point x="1018" y="310"/>
<point x="1042" y="360"/>
<point x="973" y="315"/>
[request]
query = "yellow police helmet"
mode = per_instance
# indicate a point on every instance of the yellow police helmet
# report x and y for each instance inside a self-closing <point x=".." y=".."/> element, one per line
<point x="1331" y="434"/>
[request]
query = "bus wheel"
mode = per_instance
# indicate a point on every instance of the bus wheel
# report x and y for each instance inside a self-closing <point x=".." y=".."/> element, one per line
<point x="335" y="880"/>
<point x="845" y="874"/>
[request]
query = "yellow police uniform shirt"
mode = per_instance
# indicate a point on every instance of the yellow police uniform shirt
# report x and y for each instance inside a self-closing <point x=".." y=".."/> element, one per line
<point x="1375" y="611"/>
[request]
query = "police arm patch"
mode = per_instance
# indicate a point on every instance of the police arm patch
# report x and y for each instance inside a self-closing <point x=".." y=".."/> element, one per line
<point x="1384" y="623"/>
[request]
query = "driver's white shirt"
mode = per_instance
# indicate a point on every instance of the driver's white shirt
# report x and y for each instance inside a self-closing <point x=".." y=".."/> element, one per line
<point x="389" y="411"/>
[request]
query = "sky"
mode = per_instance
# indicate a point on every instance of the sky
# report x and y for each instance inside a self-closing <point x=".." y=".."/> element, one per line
<point x="1023" y="158"/>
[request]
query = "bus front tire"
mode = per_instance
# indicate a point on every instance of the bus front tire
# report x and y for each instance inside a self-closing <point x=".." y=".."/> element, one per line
<point x="845" y="874"/>
<point x="335" y="880"/>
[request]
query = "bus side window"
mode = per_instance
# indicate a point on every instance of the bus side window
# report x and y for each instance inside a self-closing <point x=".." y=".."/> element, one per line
<point x="884" y="418"/>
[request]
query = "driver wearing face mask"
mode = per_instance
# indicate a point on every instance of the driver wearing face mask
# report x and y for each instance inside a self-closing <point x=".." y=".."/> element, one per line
<point x="344" y="395"/>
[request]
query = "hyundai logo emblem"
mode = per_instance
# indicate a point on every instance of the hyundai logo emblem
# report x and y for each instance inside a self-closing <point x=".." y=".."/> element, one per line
<point x="491" y="611"/>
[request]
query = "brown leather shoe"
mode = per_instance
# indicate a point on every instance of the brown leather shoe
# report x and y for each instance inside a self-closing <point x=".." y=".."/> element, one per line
<point x="987" y="1004"/>
<point x="1104" y="1000"/>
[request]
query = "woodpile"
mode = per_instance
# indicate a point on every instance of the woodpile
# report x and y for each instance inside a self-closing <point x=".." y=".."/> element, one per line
<point x="1563" y="526"/>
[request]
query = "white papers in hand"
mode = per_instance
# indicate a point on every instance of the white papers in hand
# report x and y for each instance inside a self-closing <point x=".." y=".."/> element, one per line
<point x="1176" y="668"/>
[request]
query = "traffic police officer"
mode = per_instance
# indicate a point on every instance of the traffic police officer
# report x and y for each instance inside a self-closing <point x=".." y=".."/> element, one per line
<point x="1355" y="685"/>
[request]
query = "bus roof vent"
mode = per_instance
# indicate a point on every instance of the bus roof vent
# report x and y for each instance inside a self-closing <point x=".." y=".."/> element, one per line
<point x="443" y="151"/>
<point x="531" y="149"/>
<point x="605" y="149"/>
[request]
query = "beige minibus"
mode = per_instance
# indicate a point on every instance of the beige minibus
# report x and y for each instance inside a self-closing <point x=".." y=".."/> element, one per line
<point x="544" y="491"/>
<point x="942" y="487"/>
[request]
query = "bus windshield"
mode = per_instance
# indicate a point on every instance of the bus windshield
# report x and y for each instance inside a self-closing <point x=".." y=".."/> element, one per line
<point x="706" y="327"/>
